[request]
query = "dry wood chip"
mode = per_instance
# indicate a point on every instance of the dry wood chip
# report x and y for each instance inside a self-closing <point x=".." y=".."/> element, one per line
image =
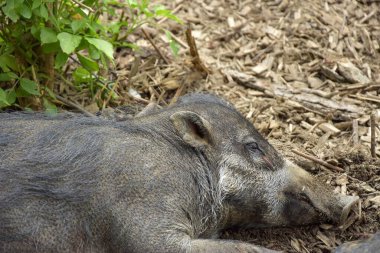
<point x="332" y="20"/>
<point x="327" y="127"/>
<point x="170" y="84"/>
<point x="312" y="44"/>
<point x="271" y="31"/>
<point x="246" y="9"/>
<point x="366" y="187"/>
<point x="368" y="1"/>
<point x="314" y="82"/>
<point x="295" y="244"/>
<point x="333" y="40"/>
<point x="331" y="74"/>
<point x="366" y="98"/>
<point x="351" y="73"/>
<point x="134" y="93"/>
<point x="264" y="66"/>
<point x="197" y="34"/>
<point x="274" y="124"/>
<point x="305" y="125"/>
<point x="342" y="180"/>
<point x="325" y="239"/>
<point x="375" y="200"/>
<point x="231" y="22"/>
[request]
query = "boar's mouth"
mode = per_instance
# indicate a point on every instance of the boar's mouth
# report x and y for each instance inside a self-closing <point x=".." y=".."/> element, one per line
<point x="302" y="199"/>
<point x="336" y="211"/>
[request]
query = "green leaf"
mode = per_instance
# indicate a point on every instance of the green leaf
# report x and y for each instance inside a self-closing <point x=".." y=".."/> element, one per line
<point x="20" y="92"/>
<point x="172" y="43"/>
<point x="15" y="3"/>
<point x="44" y="12"/>
<point x="11" y="96"/>
<point x="36" y="4"/>
<point x="168" y="14"/>
<point x="29" y="86"/>
<point x="158" y="7"/>
<point x="8" y="76"/>
<point x="35" y="31"/>
<point x="50" y="92"/>
<point x="25" y="11"/>
<point x="48" y="35"/>
<point x="134" y="47"/>
<point x="115" y="27"/>
<point x="132" y="3"/>
<point x="143" y="5"/>
<point x="102" y="45"/>
<point x="88" y="63"/>
<point x="103" y="60"/>
<point x="50" y="108"/>
<point x="8" y="62"/>
<point x="51" y="48"/>
<point x="81" y="75"/>
<point x="93" y="2"/>
<point x="10" y="12"/>
<point x="60" y="60"/>
<point x="148" y="13"/>
<point x="3" y="98"/>
<point x="94" y="52"/>
<point x="77" y="25"/>
<point x="69" y="42"/>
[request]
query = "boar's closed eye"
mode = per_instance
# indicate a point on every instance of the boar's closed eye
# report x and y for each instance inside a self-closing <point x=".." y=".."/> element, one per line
<point x="253" y="147"/>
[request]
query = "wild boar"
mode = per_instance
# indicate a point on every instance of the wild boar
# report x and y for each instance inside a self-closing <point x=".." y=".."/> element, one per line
<point x="167" y="181"/>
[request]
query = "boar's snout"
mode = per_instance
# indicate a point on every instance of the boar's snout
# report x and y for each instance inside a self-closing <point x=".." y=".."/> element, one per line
<point x="309" y="201"/>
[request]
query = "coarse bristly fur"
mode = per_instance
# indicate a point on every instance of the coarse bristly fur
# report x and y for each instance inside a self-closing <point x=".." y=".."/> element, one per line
<point x="167" y="181"/>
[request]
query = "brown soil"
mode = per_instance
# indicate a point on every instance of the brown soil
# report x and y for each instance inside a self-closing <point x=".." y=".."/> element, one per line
<point x="305" y="72"/>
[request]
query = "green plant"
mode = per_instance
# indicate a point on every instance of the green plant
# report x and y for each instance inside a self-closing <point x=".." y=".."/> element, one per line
<point x="37" y="37"/>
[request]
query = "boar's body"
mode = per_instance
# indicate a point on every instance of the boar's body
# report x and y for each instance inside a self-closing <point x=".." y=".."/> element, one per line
<point x="79" y="180"/>
<point x="162" y="182"/>
<point x="369" y="245"/>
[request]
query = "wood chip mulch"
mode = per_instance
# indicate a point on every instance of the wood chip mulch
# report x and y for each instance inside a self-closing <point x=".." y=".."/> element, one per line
<point x="306" y="73"/>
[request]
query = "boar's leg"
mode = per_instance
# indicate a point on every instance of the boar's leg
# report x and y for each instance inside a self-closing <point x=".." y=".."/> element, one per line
<point x="225" y="246"/>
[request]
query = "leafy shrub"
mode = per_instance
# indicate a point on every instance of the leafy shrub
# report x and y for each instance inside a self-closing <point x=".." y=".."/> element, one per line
<point x="37" y="37"/>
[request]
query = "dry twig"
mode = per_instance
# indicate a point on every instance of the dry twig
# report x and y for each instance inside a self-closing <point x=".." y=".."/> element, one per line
<point x="373" y="135"/>
<point x="154" y="45"/>
<point x="75" y="105"/>
<point x="319" y="161"/>
<point x="196" y="60"/>
<point x="355" y="134"/>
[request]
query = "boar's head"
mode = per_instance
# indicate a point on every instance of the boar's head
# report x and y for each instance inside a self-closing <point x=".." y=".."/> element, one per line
<point x="258" y="187"/>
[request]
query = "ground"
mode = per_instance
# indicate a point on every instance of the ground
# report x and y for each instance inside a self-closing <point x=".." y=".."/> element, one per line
<point x="306" y="73"/>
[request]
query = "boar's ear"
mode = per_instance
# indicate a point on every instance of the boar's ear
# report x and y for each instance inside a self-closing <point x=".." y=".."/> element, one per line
<point x="192" y="128"/>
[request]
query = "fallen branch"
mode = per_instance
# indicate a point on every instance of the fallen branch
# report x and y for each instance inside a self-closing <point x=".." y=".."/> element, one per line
<point x="319" y="161"/>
